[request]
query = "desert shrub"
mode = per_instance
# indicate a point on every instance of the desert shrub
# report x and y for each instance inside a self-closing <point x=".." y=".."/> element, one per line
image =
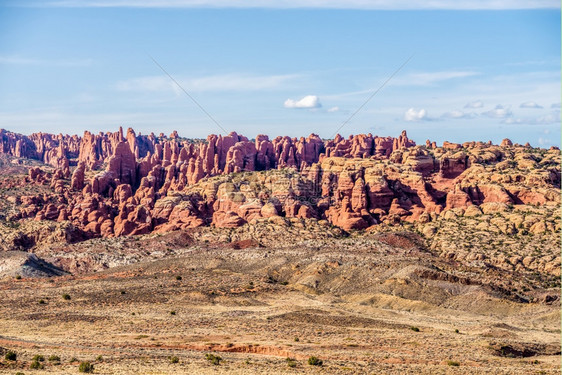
<point x="172" y="313"/>
<point x="11" y="355"/>
<point x="315" y="361"/>
<point x="453" y="363"/>
<point x="73" y="359"/>
<point x="18" y="277"/>
<point x="415" y="329"/>
<point x="297" y="339"/>
<point x="214" y="359"/>
<point x="39" y="358"/>
<point x="36" y="365"/>
<point x="41" y="301"/>
<point x="66" y="296"/>
<point x="19" y="373"/>
<point x="178" y="278"/>
<point x="86" y="367"/>
<point x="291" y="362"/>
<point x="99" y="358"/>
<point x="54" y="358"/>
<point x="174" y="359"/>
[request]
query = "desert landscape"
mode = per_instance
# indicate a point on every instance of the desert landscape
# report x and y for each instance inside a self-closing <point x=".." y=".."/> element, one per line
<point x="126" y="253"/>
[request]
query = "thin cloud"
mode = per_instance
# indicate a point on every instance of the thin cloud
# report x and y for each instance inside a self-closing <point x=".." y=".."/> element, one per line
<point x="475" y="104"/>
<point x="326" y="4"/>
<point x="456" y="114"/>
<point x="556" y="105"/>
<point x="431" y="78"/>
<point x="18" y="60"/>
<point x="530" y="105"/>
<point x="307" y="102"/>
<point x="333" y="109"/>
<point x="225" y="82"/>
<point x="499" y="112"/>
<point x="551" y="118"/>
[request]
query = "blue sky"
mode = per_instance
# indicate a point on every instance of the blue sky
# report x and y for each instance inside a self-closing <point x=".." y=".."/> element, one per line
<point x="481" y="70"/>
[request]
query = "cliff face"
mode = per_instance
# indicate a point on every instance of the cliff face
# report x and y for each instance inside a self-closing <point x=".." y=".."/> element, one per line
<point x="134" y="184"/>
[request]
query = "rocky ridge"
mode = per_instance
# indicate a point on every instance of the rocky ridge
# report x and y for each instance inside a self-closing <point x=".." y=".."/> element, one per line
<point x="110" y="185"/>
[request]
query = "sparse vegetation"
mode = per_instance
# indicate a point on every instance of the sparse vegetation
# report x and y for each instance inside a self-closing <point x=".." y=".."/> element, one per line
<point x="415" y="329"/>
<point x="214" y="359"/>
<point x="291" y="362"/>
<point x="315" y="361"/>
<point x="36" y="365"/>
<point x="174" y="359"/>
<point x="10" y="356"/>
<point x="453" y="363"/>
<point x="55" y="359"/>
<point x="66" y="297"/>
<point x="86" y="367"/>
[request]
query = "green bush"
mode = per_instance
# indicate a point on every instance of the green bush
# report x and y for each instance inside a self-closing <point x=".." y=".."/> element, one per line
<point x="214" y="359"/>
<point x="36" y="365"/>
<point x="54" y="358"/>
<point x="86" y="367"/>
<point x="291" y="362"/>
<point x="174" y="359"/>
<point x="39" y="358"/>
<point x="315" y="361"/>
<point x="11" y="356"/>
<point x="453" y="363"/>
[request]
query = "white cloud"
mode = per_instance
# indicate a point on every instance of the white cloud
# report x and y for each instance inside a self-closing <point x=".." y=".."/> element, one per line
<point x="529" y="105"/>
<point x="475" y="104"/>
<point x="430" y="78"/>
<point x="412" y="115"/>
<point x="333" y="109"/>
<point x="330" y="4"/>
<point x="455" y="114"/>
<point x="309" y="101"/>
<point x="499" y="112"/>
<point x="225" y="82"/>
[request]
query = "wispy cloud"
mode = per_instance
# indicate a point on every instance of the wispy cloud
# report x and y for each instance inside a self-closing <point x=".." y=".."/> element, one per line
<point x="475" y="104"/>
<point x="308" y="102"/>
<point x="19" y="60"/>
<point x="329" y="4"/>
<point x="499" y="111"/>
<point x="431" y="78"/>
<point x="225" y="82"/>
<point x="456" y="114"/>
<point x="550" y="118"/>
<point x="530" y="105"/>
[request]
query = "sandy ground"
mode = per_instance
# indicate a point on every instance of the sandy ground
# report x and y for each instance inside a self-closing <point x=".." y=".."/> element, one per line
<point x="362" y="312"/>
